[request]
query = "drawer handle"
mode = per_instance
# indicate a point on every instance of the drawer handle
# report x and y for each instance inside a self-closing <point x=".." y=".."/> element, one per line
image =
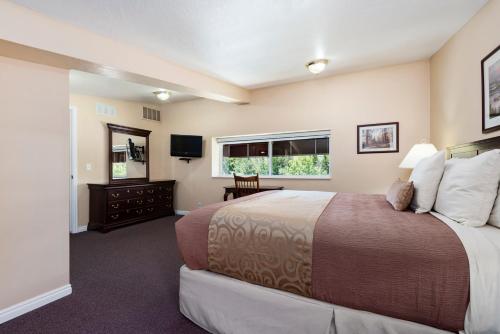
<point x="115" y="195"/>
<point x="140" y="192"/>
<point x="128" y="191"/>
<point x="140" y="201"/>
<point x="151" y="209"/>
<point x="115" y="216"/>
<point x="115" y="206"/>
<point x="151" y="191"/>
<point x="138" y="211"/>
<point x="151" y="200"/>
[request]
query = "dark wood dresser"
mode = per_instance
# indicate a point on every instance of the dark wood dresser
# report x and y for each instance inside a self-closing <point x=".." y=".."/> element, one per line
<point x="116" y="205"/>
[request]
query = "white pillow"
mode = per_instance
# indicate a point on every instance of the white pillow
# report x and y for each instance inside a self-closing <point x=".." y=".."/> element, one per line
<point x="426" y="177"/>
<point x="469" y="188"/>
<point x="495" y="213"/>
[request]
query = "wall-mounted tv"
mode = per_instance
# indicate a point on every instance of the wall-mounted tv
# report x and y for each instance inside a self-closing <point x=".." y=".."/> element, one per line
<point x="186" y="146"/>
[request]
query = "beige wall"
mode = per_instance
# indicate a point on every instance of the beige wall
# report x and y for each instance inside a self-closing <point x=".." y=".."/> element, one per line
<point x="397" y="93"/>
<point x="93" y="142"/>
<point x="34" y="178"/>
<point x="456" y="79"/>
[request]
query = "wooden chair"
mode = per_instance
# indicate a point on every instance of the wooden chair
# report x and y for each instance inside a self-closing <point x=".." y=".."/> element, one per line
<point x="246" y="185"/>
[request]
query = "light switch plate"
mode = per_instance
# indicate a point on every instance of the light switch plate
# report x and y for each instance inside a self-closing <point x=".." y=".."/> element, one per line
<point x="88" y="166"/>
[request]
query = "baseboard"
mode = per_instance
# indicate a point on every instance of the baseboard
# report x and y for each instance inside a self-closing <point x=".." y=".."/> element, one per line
<point x="181" y="212"/>
<point x="82" y="228"/>
<point x="33" y="303"/>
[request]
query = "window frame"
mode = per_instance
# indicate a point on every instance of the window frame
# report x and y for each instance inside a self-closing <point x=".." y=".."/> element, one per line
<point x="270" y="138"/>
<point x="125" y="149"/>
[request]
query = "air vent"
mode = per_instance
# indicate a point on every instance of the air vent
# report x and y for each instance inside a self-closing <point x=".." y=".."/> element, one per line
<point x="151" y="114"/>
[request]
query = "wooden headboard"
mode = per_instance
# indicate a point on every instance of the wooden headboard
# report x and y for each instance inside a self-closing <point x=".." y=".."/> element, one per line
<point x="472" y="149"/>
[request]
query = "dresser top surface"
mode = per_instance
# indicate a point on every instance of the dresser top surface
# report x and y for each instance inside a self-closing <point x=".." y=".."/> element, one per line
<point x="128" y="185"/>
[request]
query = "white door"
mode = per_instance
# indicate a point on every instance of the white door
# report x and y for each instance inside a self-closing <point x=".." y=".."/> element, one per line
<point x="73" y="197"/>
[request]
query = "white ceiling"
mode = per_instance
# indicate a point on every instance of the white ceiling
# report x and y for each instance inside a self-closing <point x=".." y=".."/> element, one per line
<point x="97" y="85"/>
<point x="255" y="43"/>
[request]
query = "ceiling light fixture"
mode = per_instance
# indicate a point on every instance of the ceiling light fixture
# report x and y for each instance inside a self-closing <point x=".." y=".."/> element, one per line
<point x="317" y="66"/>
<point x="162" y="95"/>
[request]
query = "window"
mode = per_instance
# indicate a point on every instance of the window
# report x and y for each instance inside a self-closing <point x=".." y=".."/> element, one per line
<point x="119" y="162"/>
<point x="297" y="154"/>
<point x="119" y="170"/>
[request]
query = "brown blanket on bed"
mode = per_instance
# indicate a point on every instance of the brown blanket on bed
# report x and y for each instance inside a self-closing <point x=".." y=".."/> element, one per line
<point x="367" y="256"/>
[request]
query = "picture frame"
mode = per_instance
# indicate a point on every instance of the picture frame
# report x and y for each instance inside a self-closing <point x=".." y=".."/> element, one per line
<point x="378" y="138"/>
<point x="490" y="91"/>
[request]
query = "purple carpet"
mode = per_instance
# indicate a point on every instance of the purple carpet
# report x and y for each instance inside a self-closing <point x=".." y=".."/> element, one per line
<point x="125" y="281"/>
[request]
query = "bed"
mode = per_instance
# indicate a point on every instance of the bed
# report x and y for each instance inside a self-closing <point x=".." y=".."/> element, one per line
<point x="319" y="262"/>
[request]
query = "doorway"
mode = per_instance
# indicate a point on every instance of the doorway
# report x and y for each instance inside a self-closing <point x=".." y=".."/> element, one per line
<point x="73" y="187"/>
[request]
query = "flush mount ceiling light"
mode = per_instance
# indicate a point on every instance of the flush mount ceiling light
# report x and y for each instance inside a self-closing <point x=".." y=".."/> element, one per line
<point x="162" y="95"/>
<point x="317" y="66"/>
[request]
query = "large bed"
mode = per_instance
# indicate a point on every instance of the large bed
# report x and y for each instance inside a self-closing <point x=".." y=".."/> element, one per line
<point x="320" y="262"/>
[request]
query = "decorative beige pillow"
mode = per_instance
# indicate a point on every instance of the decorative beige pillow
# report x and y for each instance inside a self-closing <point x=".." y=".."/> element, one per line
<point x="400" y="195"/>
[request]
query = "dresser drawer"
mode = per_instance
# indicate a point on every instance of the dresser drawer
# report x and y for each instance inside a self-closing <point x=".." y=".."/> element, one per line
<point x="127" y="214"/>
<point x="124" y="193"/>
<point x="119" y="205"/>
<point x="115" y="217"/>
<point x="165" y="205"/>
<point x="151" y="210"/>
<point x="131" y="203"/>
<point x="166" y="197"/>
<point x="151" y="200"/>
<point x="151" y="190"/>
<point x="164" y="188"/>
<point x="143" y="212"/>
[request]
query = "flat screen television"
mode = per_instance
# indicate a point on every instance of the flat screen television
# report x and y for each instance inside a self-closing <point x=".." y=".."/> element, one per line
<point x="185" y="146"/>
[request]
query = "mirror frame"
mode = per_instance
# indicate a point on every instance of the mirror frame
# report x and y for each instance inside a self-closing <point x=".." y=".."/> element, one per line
<point x="115" y="128"/>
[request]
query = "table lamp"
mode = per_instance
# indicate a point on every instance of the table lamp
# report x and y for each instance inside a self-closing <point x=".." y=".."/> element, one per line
<point x="417" y="153"/>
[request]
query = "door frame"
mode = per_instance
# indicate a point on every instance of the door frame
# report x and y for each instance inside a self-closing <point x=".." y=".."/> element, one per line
<point x="73" y="187"/>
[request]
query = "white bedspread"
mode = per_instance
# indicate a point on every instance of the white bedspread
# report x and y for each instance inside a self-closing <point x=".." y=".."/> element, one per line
<point x="482" y="246"/>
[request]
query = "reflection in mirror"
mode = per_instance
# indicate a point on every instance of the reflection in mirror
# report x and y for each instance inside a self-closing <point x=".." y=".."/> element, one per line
<point x="128" y="156"/>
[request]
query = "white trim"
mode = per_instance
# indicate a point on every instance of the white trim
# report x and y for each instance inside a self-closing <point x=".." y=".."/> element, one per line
<point x="282" y="177"/>
<point x="291" y="135"/>
<point x="73" y="205"/>
<point x="181" y="212"/>
<point x="82" y="228"/>
<point x="33" y="303"/>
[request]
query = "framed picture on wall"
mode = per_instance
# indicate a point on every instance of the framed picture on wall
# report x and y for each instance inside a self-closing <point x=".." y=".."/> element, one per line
<point x="490" y="75"/>
<point x="378" y="138"/>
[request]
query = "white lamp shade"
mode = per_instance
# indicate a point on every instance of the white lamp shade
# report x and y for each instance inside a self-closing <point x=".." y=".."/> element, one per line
<point x="417" y="153"/>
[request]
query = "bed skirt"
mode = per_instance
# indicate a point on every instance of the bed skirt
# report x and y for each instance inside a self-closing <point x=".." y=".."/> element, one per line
<point x="224" y="305"/>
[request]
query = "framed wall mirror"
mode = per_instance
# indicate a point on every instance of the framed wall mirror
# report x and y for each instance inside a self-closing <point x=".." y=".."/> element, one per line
<point x="128" y="154"/>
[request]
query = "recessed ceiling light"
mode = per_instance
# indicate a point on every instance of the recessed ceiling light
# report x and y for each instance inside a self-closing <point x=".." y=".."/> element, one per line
<point x="317" y="66"/>
<point x="162" y="95"/>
